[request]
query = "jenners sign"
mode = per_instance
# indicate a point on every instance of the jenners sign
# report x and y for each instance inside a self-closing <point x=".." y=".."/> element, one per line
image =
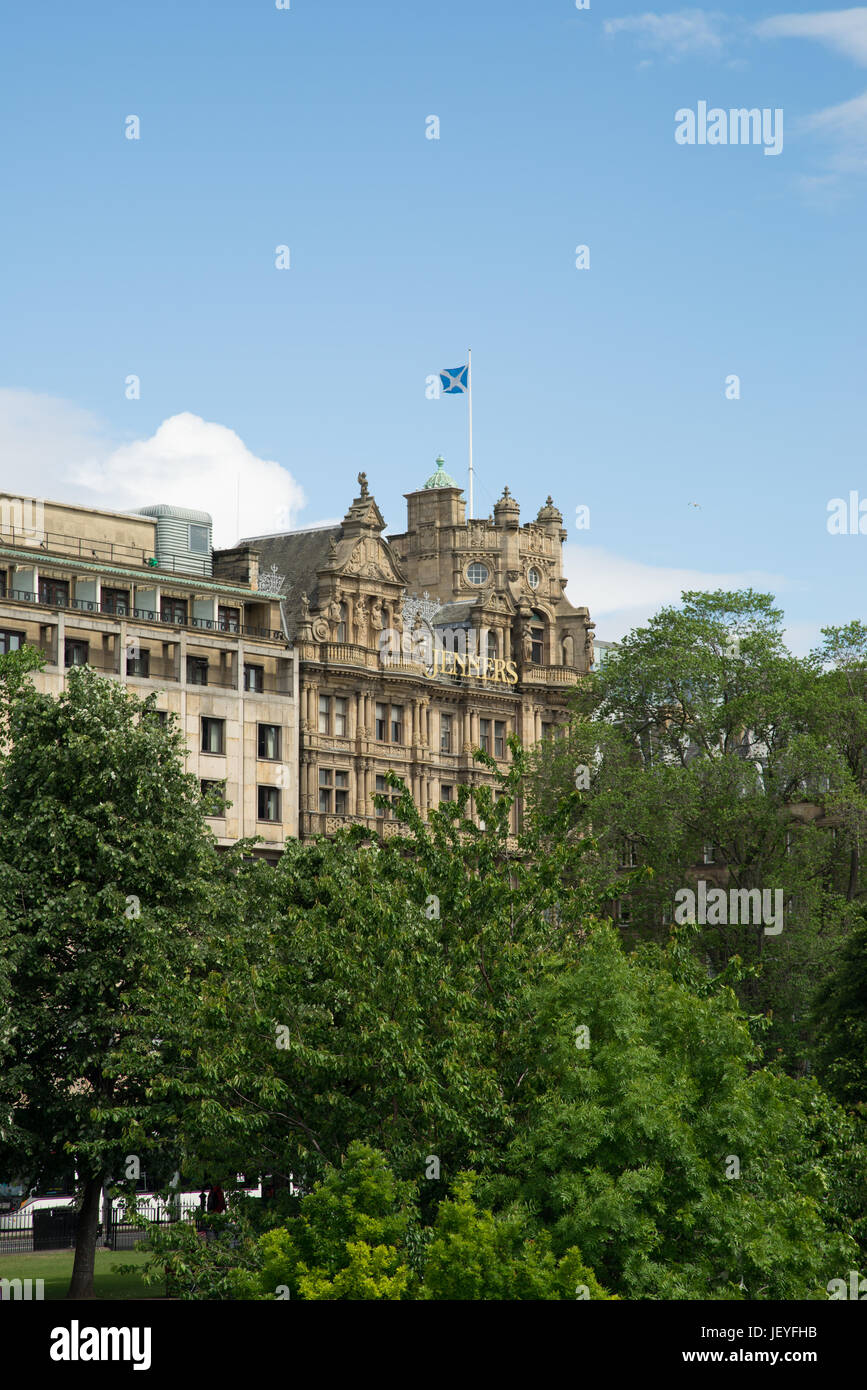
<point x="446" y="652"/>
<point x="484" y="668"/>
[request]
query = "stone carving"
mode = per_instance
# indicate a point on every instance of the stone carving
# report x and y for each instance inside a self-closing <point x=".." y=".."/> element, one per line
<point x="320" y="630"/>
<point x="362" y="483"/>
<point x="376" y="615"/>
<point x="305" y="607"/>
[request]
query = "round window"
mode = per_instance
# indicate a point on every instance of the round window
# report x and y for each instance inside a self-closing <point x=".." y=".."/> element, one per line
<point x="477" y="573"/>
<point x="533" y="578"/>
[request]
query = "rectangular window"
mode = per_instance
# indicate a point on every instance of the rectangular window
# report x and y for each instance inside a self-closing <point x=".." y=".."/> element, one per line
<point x="340" y="705"/>
<point x="199" y="546"/>
<point x="341" y="793"/>
<point x="269" y="803"/>
<point x="325" y="714"/>
<point x="628" y="855"/>
<point x="397" y="723"/>
<point x="197" y="670"/>
<point x="55" y="592"/>
<point x="215" y="793"/>
<point x="161" y="716"/>
<point x="138" y="662"/>
<point x="11" y="642"/>
<point x="380" y="722"/>
<point x="447" y="791"/>
<point x="445" y="733"/>
<point x="499" y="738"/>
<point x="381" y="787"/>
<point x="173" y="610"/>
<point x="485" y="735"/>
<point x="213" y="735"/>
<point x="325" y="790"/>
<point x="228" y="619"/>
<point x="269" y="742"/>
<point x="115" y="601"/>
<point x="254" y="677"/>
<point x="76" y="653"/>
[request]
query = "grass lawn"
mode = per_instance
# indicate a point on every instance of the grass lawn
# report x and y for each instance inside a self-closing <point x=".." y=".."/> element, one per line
<point x="55" y="1267"/>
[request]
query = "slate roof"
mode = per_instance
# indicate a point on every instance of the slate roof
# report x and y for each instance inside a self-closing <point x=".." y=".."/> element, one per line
<point x="297" y="555"/>
<point x="454" y="614"/>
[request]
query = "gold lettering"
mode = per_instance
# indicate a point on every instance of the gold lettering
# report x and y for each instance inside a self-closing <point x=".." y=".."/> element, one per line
<point x="499" y="669"/>
<point x="511" y="673"/>
<point x="474" y="663"/>
<point x="463" y="660"/>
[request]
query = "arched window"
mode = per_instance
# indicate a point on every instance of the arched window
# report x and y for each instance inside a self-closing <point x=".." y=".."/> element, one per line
<point x="537" y="635"/>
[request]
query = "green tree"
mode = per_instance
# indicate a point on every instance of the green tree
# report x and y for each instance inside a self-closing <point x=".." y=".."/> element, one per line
<point x="841" y="1023"/>
<point x="357" y="1236"/>
<point x="654" y="1142"/>
<point x="375" y="991"/>
<point x="107" y="870"/>
<point x="703" y="741"/>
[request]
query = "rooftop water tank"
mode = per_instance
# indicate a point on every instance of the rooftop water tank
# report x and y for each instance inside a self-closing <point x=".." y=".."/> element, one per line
<point x="184" y="538"/>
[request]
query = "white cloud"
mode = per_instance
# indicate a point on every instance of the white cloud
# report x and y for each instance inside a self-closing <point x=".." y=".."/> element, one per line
<point x="42" y="439"/>
<point x="608" y="585"/>
<point x="846" y="124"/>
<point x="50" y="448"/>
<point x="845" y="31"/>
<point x="679" y="34"/>
<point x="192" y="462"/>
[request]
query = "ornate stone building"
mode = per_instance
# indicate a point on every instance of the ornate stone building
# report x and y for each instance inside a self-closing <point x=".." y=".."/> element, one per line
<point x="358" y="607"/>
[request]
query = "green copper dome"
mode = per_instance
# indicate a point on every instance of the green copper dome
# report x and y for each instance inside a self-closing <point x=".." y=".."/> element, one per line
<point x="441" y="478"/>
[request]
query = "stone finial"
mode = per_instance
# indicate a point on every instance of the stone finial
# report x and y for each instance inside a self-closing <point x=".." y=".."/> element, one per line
<point x="362" y="482"/>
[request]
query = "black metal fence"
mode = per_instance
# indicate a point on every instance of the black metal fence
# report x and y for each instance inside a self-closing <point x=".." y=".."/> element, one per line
<point x="53" y="1228"/>
<point x="48" y="1228"/>
<point x="122" y="1234"/>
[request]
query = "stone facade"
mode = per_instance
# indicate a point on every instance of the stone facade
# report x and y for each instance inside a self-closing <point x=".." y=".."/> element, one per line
<point x="370" y="704"/>
<point x="100" y="588"/>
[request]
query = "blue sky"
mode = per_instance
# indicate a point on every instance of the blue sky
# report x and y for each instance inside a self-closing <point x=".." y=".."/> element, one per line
<point x="306" y="127"/>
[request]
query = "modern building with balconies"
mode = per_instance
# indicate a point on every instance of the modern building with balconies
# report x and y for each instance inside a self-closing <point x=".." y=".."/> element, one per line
<point x="144" y="599"/>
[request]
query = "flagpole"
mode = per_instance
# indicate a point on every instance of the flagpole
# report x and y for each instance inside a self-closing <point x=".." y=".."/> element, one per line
<point x="470" y="413"/>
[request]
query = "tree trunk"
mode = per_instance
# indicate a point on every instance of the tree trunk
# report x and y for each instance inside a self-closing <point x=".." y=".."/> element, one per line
<point x="854" y="866"/>
<point x="81" y="1283"/>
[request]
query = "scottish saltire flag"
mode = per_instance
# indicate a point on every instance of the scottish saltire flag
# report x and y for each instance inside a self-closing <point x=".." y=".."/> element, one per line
<point x="453" y="380"/>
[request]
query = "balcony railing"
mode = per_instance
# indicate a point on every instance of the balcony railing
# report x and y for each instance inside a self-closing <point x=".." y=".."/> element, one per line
<point x="83" y="605"/>
<point x="109" y="552"/>
<point x="532" y="674"/>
